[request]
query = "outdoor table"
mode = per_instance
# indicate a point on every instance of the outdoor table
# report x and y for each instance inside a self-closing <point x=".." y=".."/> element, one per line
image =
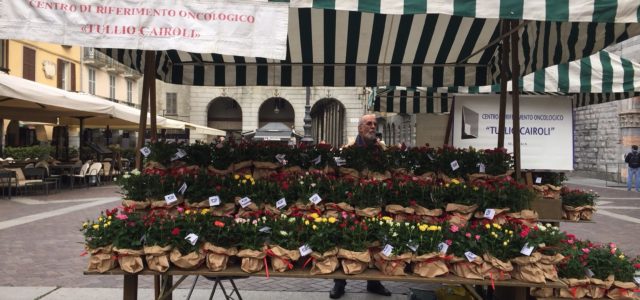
<point x="44" y="184"/>
<point x="510" y="289"/>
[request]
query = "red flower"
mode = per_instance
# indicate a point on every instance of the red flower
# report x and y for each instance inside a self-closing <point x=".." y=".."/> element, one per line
<point x="637" y="266"/>
<point x="175" y="231"/>
<point x="218" y="224"/>
<point x="525" y="231"/>
<point x="343" y="225"/>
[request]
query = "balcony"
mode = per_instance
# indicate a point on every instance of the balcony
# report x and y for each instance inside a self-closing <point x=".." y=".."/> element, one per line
<point x="132" y="74"/>
<point x="94" y="58"/>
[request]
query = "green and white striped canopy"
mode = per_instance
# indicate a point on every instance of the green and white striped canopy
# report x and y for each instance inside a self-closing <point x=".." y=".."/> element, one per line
<point x="601" y="11"/>
<point x="595" y="79"/>
<point x="426" y="43"/>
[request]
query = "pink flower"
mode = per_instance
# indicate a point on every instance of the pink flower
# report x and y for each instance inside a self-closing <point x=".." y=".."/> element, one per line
<point x="449" y="242"/>
<point x="467" y="235"/>
<point x="586" y="250"/>
<point x="477" y="237"/>
<point x="344" y="214"/>
<point x="122" y="217"/>
<point x="613" y="250"/>
<point x="180" y="209"/>
<point x="454" y="228"/>
<point x="570" y="241"/>
<point x="612" y="245"/>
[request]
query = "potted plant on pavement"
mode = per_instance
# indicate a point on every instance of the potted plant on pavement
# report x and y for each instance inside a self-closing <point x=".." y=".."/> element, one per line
<point x="578" y="204"/>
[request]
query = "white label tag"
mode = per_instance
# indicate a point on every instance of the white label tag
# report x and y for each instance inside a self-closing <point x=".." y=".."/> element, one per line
<point x="281" y="159"/>
<point x="170" y="198"/>
<point x="281" y="203"/>
<point x="143" y="238"/>
<point x="538" y="180"/>
<point x="244" y="202"/>
<point x="214" y="201"/>
<point x="454" y="165"/>
<point x="470" y="256"/>
<point x="481" y="167"/>
<point x="588" y="272"/>
<point x="305" y="250"/>
<point x="265" y="229"/>
<point x="183" y="188"/>
<point x="430" y="156"/>
<point x="315" y="199"/>
<point x="192" y="238"/>
<point x="340" y="161"/>
<point x="489" y="213"/>
<point x="317" y="160"/>
<point x="181" y="153"/>
<point x="442" y="248"/>
<point x="637" y="280"/>
<point x="145" y="151"/>
<point x="412" y="246"/>
<point x="387" y="250"/>
<point x="527" y="250"/>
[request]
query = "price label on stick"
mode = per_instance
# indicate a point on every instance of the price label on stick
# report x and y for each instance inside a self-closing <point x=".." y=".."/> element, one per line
<point x="637" y="280"/>
<point x="527" y="250"/>
<point x="181" y="153"/>
<point x="430" y="157"/>
<point x="538" y="180"/>
<point x="315" y="199"/>
<point x="387" y="250"/>
<point x="192" y="238"/>
<point x="413" y="246"/>
<point x="340" y="161"/>
<point x="481" y="168"/>
<point x="265" y="229"/>
<point x="214" y="201"/>
<point x="454" y="165"/>
<point x="145" y="151"/>
<point x="489" y="213"/>
<point x="305" y="250"/>
<point x="317" y="160"/>
<point x="183" y="188"/>
<point x="442" y="248"/>
<point x="281" y="159"/>
<point x="281" y="203"/>
<point x="170" y="198"/>
<point x="244" y="202"/>
<point x="470" y="256"/>
<point x="588" y="273"/>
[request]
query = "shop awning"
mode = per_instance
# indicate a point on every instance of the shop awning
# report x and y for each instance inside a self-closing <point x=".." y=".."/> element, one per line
<point x="595" y="79"/>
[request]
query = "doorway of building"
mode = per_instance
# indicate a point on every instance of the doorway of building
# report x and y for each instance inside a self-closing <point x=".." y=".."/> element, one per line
<point x="328" y="122"/>
<point x="225" y="113"/>
<point x="276" y="109"/>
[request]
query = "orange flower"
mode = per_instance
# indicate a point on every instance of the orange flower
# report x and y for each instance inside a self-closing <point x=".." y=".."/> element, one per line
<point x="218" y="224"/>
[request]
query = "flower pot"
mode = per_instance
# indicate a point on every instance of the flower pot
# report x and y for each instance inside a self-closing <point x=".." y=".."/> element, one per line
<point x="392" y="265"/>
<point x="135" y="204"/>
<point x="425" y="215"/>
<point x="242" y="168"/>
<point x="130" y="260"/>
<point x="224" y="210"/>
<point x="101" y="259"/>
<point x="542" y="292"/>
<point x="263" y="170"/>
<point x="400" y="213"/>
<point x="298" y="209"/>
<point x="527" y="268"/>
<point x="547" y="264"/>
<point x="576" y="288"/>
<point x="335" y="209"/>
<point x="252" y="260"/>
<point x="461" y="267"/>
<point x="368" y="212"/>
<point x="354" y="262"/>
<point x="587" y="212"/>
<point x="526" y="216"/>
<point x="324" y="263"/>
<point x="349" y="172"/>
<point x="622" y="290"/>
<point x="282" y="259"/>
<point x="217" y="257"/>
<point x="213" y="171"/>
<point x="375" y="175"/>
<point x="500" y="216"/>
<point x="598" y="288"/>
<point x="430" y="265"/>
<point x="571" y="213"/>
<point x="187" y="261"/>
<point x="460" y="214"/>
<point x="157" y="258"/>
<point x="496" y="269"/>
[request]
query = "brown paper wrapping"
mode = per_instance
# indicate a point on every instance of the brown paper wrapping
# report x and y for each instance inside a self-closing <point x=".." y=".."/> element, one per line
<point x="368" y="212"/>
<point x="243" y="167"/>
<point x="101" y="259"/>
<point x="461" y="267"/>
<point x="526" y="216"/>
<point x="547" y="264"/>
<point x="399" y="212"/>
<point x="375" y="175"/>
<point x="283" y="258"/>
<point x="198" y="204"/>
<point x="136" y="204"/>
<point x="460" y="214"/>
<point x="622" y="290"/>
<point x="495" y="268"/>
<point x="215" y="171"/>
<point x="324" y="263"/>
<point x="130" y="260"/>
<point x="571" y="213"/>
<point x="157" y="258"/>
<point x="252" y="260"/>
<point x="335" y="209"/>
<point x="245" y="212"/>
<point x="163" y="204"/>
<point x="188" y="261"/>
<point x="587" y="212"/>
<point x="293" y="170"/>
<point x="576" y="288"/>
<point x="542" y="292"/>
<point x="270" y="209"/>
<point x="266" y="165"/>
<point x="304" y="208"/>
<point x="429" y="216"/>
<point x="154" y="165"/>
<point x="348" y="172"/>
<point x="225" y="209"/>
<point x="392" y="265"/>
<point x="430" y="265"/>
<point x="598" y="288"/>
<point x="217" y="257"/>
<point x="264" y="169"/>
<point x="500" y="216"/>
<point x="354" y="262"/>
<point x="527" y="269"/>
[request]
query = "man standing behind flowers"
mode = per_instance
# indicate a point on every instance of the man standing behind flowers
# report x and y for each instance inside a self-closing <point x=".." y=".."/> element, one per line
<point x="366" y="137"/>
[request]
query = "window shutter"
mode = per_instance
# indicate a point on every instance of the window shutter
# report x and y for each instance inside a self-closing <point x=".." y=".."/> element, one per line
<point x="28" y="64"/>
<point x="60" y="73"/>
<point x="73" y="76"/>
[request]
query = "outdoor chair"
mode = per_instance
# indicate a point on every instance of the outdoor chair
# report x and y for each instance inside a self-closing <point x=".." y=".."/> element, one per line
<point x="6" y="182"/>
<point x="81" y="175"/>
<point x="21" y="180"/>
<point x="94" y="173"/>
<point x="109" y="171"/>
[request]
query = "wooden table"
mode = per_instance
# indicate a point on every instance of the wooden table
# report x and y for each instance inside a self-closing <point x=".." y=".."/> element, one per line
<point x="515" y="289"/>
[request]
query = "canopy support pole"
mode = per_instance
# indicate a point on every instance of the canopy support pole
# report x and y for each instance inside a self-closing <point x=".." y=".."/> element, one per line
<point x="447" y="135"/>
<point x="1" y="137"/>
<point x="144" y="107"/>
<point x="150" y="58"/>
<point x="504" y="64"/>
<point x="515" y="96"/>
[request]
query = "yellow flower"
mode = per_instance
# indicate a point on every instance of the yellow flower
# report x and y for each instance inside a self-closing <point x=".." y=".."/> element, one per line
<point x="85" y="225"/>
<point x="253" y="182"/>
<point x="497" y="226"/>
<point x="621" y="256"/>
<point x="317" y="220"/>
<point x="475" y="188"/>
<point x="314" y="227"/>
<point x="306" y="222"/>
<point x="107" y="224"/>
<point x="244" y="181"/>
<point x="432" y="228"/>
<point x="109" y="217"/>
<point x="487" y="226"/>
<point x="204" y="211"/>
<point x="387" y="218"/>
<point x="95" y="226"/>
<point x="423" y="227"/>
<point x="505" y="243"/>
<point x="247" y="176"/>
<point x="186" y="212"/>
<point x="455" y="181"/>
<point x="446" y="185"/>
<point x="100" y="219"/>
<point x="236" y="177"/>
<point x="332" y="220"/>
<point x="324" y="220"/>
<point x="510" y="232"/>
<point x="439" y="228"/>
<point x="314" y="215"/>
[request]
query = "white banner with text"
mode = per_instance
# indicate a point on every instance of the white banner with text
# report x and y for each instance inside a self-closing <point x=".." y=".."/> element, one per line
<point x="235" y="27"/>
<point x="546" y="128"/>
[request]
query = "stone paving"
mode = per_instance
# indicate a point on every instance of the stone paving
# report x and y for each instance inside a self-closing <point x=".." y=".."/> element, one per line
<point x="46" y="251"/>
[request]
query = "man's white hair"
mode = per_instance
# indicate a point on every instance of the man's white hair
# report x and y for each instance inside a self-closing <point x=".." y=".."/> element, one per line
<point x="365" y="116"/>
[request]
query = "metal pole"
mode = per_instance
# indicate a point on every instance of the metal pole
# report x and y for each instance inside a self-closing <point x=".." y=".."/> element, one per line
<point x="503" y="83"/>
<point x="307" y="119"/>
<point x="515" y="96"/>
<point x="144" y="105"/>
<point x="150" y="58"/>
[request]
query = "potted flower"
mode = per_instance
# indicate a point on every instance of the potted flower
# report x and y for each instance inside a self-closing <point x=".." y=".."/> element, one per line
<point x="247" y="198"/>
<point x="220" y="239"/>
<point x="284" y="243"/>
<point x="602" y="262"/>
<point x="540" y="266"/>
<point x="187" y="250"/>
<point x="365" y="196"/>
<point x="572" y="269"/>
<point x="421" y="161"/>
<point x="578" y="204"/>
<point x="161" y="155"/>
<point x="499" y="245"/>
<point x="160" y="186"/>
<point x="133" y="186"/>
<point x="128" y="241"/>
<point x="244" y="153"/>
<point x="98" y="239"/>
<point x="395" y="253"/>
<point x="199" y="189"/>
<point x="311" y="191"/>
<point x="502" y="195"/>
<point x="222" y="158"/>
<point x="265" y="161"/>
<point x="251" y="241"/>
<point x="158" y="239"/>
<point x="465" y="246"/>
<point x="322" y="236"/>
<point x="335" y="193"/>
<point x="199" y="154"/>
<point x="461" y="200"/>
<point x="224" y="187"/>
<point x="354" y="249"/>
<point x="624" y="271"/>
<point x="431" y="251"/>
